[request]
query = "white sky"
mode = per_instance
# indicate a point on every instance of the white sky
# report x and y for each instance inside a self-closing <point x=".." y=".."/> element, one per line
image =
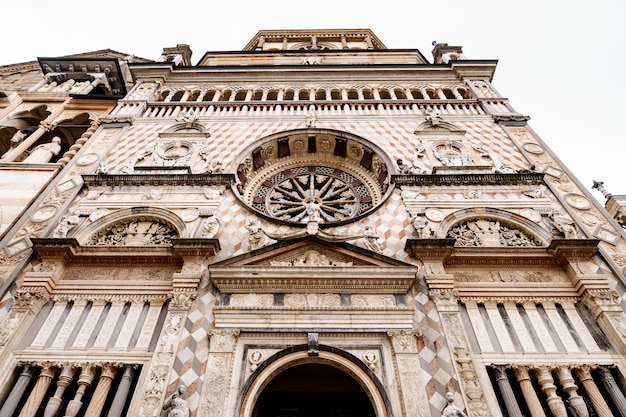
<point x="560" y="62"/>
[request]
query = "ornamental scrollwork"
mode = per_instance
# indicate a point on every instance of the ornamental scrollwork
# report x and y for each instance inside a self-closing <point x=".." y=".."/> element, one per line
<point x="140" y="231"/>
<point x="490" y="233"/>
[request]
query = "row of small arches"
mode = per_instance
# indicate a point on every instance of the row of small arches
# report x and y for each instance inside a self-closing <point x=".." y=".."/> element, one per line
<point x="325" y="93"/>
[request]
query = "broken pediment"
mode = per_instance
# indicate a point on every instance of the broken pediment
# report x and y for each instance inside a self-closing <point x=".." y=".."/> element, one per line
<point x="315" y="265"/>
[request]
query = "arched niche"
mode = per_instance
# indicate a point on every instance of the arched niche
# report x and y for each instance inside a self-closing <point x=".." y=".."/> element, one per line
<point x="298" y="358"/>
<point x="137" y="226"/>
<point x="487" y="226"/>
<point x="26" y="121"/>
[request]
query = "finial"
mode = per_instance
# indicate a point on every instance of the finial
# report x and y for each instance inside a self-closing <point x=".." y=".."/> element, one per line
<point x="599" y="185"/>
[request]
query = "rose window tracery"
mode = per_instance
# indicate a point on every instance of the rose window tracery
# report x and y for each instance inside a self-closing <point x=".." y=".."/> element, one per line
<point x="312" y="176"/>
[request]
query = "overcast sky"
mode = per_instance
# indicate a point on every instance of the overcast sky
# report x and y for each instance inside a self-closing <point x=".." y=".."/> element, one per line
<point x="560" y="62"/>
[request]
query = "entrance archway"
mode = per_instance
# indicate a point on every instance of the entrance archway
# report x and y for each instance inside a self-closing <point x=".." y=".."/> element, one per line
<point x="332" y="384"/>
<point x="313" y="390"/>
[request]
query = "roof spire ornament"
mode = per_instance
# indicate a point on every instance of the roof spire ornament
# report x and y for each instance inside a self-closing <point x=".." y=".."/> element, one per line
<point x="599" y="185"/>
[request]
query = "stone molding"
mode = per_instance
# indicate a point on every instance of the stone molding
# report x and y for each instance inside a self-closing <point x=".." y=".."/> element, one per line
<point x="71" y="253"/>
<point x="158" y="179"/>
<point x="534" y="178"/>
<point x="288" y="279"/>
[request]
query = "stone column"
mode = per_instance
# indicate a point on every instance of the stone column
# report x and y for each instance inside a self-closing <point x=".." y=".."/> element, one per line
<point x="67" y="374"/>
<point x="584" y="376"/>
<point x="44" y="127"/>
<point x="555" y="403"/>
<point x="567" y="383"/>
<point x="84" y="380"/>
<point x="614" y="392"/>
<point x="534" y="406"/>
<point x="510" y="402"/>
<point x="102" y="390"/>
<point x="10" y="404"/>
<point x="123" y="389"/>
<point x="39" y="391"/>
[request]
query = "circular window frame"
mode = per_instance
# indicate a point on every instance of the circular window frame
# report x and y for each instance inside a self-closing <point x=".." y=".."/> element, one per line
<point x="271" y="160"/>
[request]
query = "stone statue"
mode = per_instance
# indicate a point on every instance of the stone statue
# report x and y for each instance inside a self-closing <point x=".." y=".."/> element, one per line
<point x="563" y="223"/>
<point x="311" y="118"/>
<point x="256" y="238"/>
<point x="68" y="222"/>
<point x="420" y="224"/>
<point x="210" y="226"/>
<point x="371" y="240"/>
<point x="16" y="139"/>
<point x="452" y="410"/>
<point x="102" y="168"/>
<point x="44" y="152"/>
<point x="177" y="404"/>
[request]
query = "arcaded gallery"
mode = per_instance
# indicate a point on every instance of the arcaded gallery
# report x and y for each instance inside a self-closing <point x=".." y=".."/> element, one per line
<point x="315" y="225"/>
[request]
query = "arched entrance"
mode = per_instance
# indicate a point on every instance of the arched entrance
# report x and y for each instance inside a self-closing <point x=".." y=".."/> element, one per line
<point x="313" y="390"/>
<point x="333" y="383"/>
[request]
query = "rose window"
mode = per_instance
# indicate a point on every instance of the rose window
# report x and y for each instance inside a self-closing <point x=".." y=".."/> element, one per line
<point x="312" y="176"/>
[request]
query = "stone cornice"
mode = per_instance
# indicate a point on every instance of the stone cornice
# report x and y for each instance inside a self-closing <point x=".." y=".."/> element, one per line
<point x="557" y="254"/>
<point x="356" y="279"/>
<point x="72" y="253"/>
<point x="158" y="179"/>
<point x="531" y="178"/>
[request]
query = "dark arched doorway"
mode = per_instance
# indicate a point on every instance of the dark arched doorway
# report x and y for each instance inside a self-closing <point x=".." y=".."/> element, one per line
<point x="313" y="390"/>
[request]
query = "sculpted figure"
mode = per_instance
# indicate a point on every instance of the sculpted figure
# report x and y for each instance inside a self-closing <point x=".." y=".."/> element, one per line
<point x="371" y="240"/>
<point x="177" y="404"/>
<point x="563" y="223"/>
<point x="210" y="226"/>
<point x="17" y="138"/>
<point x="68" y="222"/>
<point x="420" y="224"/>
<point x="256" y="238"/>
<point x="44" y="152"/>
<point x="452" y="410"/>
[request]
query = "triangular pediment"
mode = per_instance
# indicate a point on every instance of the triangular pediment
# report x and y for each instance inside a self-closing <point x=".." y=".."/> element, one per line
<point x="312" y="252"/>
<point x="312" y="265"/>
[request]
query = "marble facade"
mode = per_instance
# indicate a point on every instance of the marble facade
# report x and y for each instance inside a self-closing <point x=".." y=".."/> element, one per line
<point x="313" y="208"/>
